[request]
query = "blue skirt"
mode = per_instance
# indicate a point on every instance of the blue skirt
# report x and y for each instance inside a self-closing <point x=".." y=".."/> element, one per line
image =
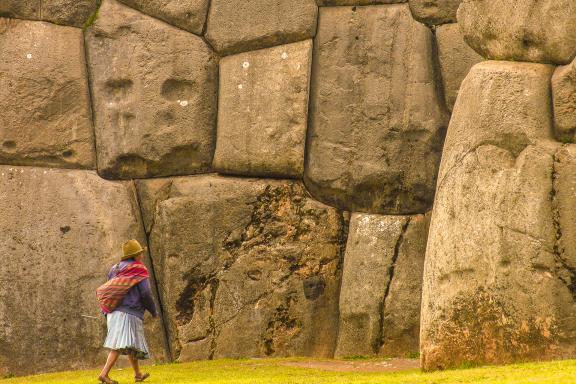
<point x="126" y="335"/>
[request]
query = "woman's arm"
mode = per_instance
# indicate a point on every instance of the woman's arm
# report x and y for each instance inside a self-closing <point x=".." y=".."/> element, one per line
<point x="147" y="298"/>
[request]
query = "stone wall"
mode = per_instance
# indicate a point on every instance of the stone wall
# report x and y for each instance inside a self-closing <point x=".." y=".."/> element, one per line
<point x="282" y="161"/>
<point x="499" y="276"/>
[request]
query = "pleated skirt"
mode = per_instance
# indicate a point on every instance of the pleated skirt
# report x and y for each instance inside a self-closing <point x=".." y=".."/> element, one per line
<point x="126" y="335"/>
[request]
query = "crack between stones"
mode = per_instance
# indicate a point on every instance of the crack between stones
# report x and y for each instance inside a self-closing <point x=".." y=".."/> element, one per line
<point x="214" y="285"/>
<point x="161" y="306"/>
<point x="558" y="253"/>
<point x="382" y="306"/>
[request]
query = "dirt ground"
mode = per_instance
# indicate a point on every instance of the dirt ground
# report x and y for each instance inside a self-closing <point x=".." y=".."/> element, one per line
<point x="392" y="365"/>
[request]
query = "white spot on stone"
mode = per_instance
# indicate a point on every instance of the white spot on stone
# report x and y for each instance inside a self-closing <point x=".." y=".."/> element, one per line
<point x="284" y="56"/>
<point x="29" y="56"/>
<point x="183" y="103"/>
<point x="245" y="65"/>
<point x="239" y="86"/>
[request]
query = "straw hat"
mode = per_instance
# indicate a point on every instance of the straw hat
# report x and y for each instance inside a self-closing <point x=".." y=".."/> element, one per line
<point x="131" y="248"/>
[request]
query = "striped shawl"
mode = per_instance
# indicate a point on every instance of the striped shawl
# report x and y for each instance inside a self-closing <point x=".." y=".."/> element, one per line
<point x="111" y="293"/>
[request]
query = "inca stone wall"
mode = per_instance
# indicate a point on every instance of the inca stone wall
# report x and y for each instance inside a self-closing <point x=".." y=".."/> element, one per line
<point x="295" y="170"/>
<point x="499" y="276"/>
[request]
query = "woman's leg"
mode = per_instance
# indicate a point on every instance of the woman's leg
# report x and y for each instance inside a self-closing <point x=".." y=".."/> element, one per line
<point x="112" y="357"/>
<point x="135" y="366"/>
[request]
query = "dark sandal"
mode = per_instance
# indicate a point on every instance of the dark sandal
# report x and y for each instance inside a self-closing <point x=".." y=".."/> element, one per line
<point x="106" y="380"/>
<point x="140" y="379"/>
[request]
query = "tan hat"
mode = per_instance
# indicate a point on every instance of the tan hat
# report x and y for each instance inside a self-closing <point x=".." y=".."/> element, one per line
<point x="131" y="248"/>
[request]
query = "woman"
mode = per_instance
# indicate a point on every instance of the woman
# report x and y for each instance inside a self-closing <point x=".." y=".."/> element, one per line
<point x="124" y="299"/>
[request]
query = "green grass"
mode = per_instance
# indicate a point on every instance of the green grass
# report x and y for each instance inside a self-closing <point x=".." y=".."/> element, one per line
<point x="273" y="372"/>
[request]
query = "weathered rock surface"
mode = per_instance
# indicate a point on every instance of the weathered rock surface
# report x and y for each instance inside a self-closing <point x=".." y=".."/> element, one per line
<point x="244" y="254"/>
<point x="382" y="285"/>
<point x="357" y="2"/>
<point x="64" y="12"/>
<point x="401" y="322"/>
<point x="564" y="213"/>
<point x="44" y="98"/>
<point x="186" y="14"/>
<point x="528" y="30"/>
<point x="57" y="247"/>
<point x="564" y="101"/>
<point x="456" y="59"/>
<point x="263" y="110"/>
<point x="235" y="27"/>
<point x="155" y="92"/>
<point x="498" y="287"/>
<point x="377" y="120"/>
<point x="433" y="12"/>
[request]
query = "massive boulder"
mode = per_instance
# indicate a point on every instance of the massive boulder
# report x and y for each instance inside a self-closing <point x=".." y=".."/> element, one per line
<point x="239" y="26"/>
<point x="186" y="14"/>
<point x="456" y="59"/>
<point x="377" y="120"/>
<point x="382" y="285"/>
<point x="434" y="12"/>
<point x="61" y="232"/>
<point x="246" y="267"/>
<point x="154" y="90"/>
<point x="64" y="12"/>
<point x="263" y="110"/>
<point x="44" y="97"/>
<point x="498" y="285"/>
<point x="542" y="31"/>
<point x="564" y="101"/>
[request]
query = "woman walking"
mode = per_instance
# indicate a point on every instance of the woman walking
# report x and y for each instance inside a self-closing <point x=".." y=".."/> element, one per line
<point x="124" y="299"/>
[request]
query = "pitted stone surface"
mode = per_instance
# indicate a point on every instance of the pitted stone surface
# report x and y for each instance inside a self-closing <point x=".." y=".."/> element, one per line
<point x="263" y="109"/>
<point x="564" y="101"/>
<point x="155" y="92"/>
<point x="63" y="12"/>
<point x="498" y="287"/>
<point x="59" y="239"/>
<point x="186" y="14"/>
<point x="245" y="254"/>
<point x="377" y="121"/>
<point x="44" y="97"/>
<point x="382" y="285"/>
<point x="541" y="31"/>
<point x="240" y="26"/>
<point x="456" y="59"/>
<point x="433" y="12"/>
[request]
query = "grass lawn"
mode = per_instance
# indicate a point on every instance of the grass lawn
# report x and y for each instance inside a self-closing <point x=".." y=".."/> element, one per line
<point x="275" y="371"/>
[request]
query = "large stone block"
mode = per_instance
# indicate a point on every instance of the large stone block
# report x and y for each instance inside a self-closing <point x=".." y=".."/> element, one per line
<point x="44" y="97"/>
<point x="263" y="109"/>
<point x="542" y="31"/>
<point x="456" y="59"/>
<point x="377" y="122"/>
<point x="564" y="101"/>
<point x="239" y="26"/>
<point x="154" y="90"/>
<point x="61" y="232"/>
<point x="244" y="254"/>
<point x="382" y="285"/>
<point x="433" y="12"/>
<point x="64" y="12"/>
<point x="186" y="14"/>
<point x="498" y="287"/>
